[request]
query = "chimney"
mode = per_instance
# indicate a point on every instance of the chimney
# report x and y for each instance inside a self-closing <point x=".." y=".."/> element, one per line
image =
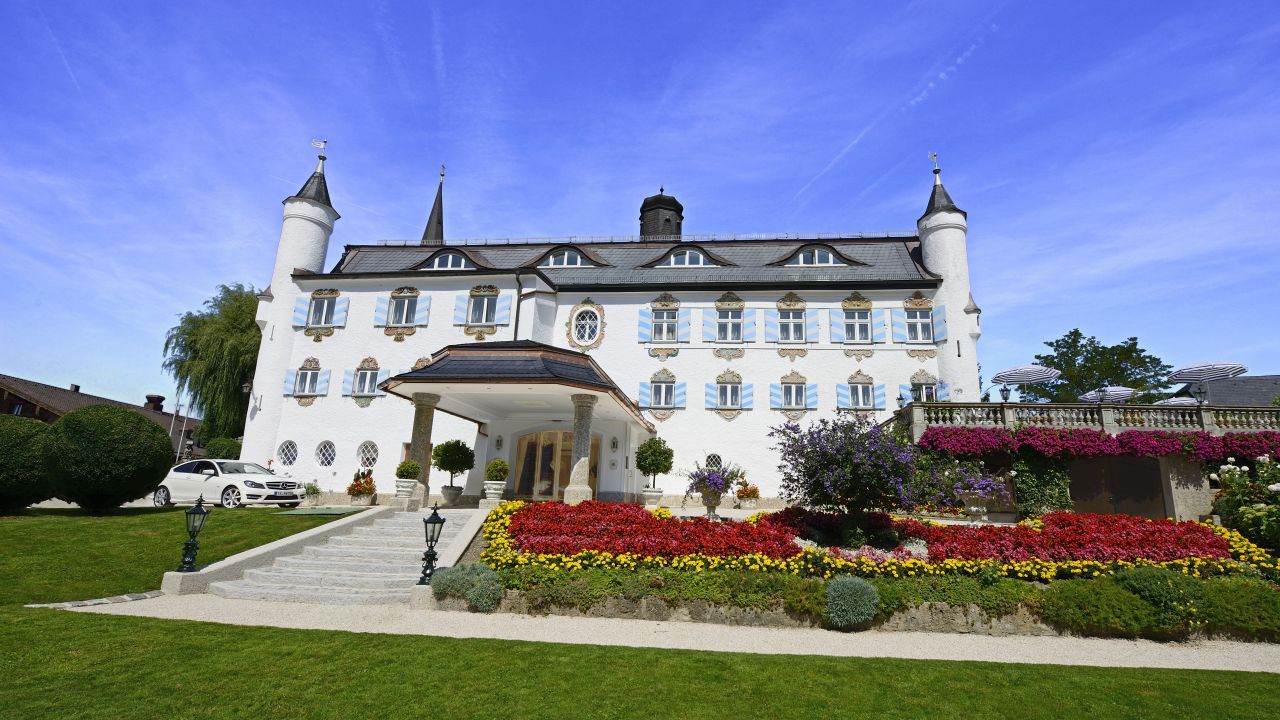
<point x="75" y="388"/>
<point x="154" y="402"/>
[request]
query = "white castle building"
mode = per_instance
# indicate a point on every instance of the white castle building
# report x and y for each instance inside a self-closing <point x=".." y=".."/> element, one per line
<point x="544" y="352"/>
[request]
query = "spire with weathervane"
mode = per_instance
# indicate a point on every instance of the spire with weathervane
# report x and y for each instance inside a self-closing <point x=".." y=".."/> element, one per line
<point x="939" y="200"/>
<point x="315" y="188"/>
<point x="434" y="232"/>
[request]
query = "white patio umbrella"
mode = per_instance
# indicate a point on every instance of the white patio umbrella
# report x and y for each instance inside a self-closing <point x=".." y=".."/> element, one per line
<point x="1109" y="394"/>
<point x="1026" y="375"/>
<point x="1177" y="401"/>
<point x="1206" y="371"/>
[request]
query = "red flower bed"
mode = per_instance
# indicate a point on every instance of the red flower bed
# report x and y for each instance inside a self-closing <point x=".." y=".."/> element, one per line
<point x="1072" y="536"/>
<point x="555" y="528"/>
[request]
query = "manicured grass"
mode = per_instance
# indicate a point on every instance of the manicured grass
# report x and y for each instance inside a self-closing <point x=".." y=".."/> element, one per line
<point x="57" y="555"/>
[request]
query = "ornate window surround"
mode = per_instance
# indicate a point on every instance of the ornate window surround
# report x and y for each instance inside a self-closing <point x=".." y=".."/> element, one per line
<point x="307" y="400"/>
<point x="665" y="348"/>
<point x="663" y="376"/>
<point x="400" y="332"/>
<point x="317" y="332"/>
<point x="481" y="330"/>
<point x="587" y="304"/>
<point x="729" y="377"/>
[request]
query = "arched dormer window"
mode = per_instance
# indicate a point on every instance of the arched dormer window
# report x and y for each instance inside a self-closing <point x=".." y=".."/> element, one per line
<point x="564" y="258"/>
<point x="814" y="256"/>
<point x="451" y="261"/>
<point x="687" y="258"/>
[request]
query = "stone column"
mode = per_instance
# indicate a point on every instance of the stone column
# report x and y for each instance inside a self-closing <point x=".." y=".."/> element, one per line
<point x="579" y="488"/>
<point x="424" y="413"/>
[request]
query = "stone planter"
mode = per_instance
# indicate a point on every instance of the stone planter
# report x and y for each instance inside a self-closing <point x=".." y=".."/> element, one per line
<point x="493" y="489"/>
<point x="711" y="501"/>
<point x="313" y="499"/>
<point x="747" y="504"/>
<point x="404" y="488"/>
<point x="362" y="499"/>
<point x="652" y="497"/>
<point x="450" y="493"/>
<point x="975" y="507"/>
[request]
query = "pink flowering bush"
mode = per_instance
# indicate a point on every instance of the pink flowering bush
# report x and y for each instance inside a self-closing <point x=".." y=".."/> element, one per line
<point x="1196" y="446"/>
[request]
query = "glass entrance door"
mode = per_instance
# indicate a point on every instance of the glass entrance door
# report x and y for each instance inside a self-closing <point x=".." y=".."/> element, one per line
<point x="544" y="462"/>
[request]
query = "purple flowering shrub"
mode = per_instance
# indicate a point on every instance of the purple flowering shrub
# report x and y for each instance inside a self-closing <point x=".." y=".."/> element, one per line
<point x="716" y="481"/>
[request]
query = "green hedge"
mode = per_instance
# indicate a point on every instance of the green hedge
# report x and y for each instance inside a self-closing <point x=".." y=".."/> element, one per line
<point x="223" y="449"/>
<point x="23" y="480"/>
<point x="996" y="596"/>
<point x="102" y="456"/>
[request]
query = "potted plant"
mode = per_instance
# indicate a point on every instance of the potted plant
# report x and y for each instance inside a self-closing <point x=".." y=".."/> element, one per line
<point x="455" y="458"/>
<point x="362" y="491"/>
<point x="407" y="474"/>
<point x="653" y="458"/>
<point x="712" y="484"/>
<point x="495" y="479"/>
<point x="747" y="494"/>
<point x="313" y="493"/>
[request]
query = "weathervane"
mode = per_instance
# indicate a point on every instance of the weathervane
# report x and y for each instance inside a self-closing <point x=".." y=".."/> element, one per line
<point x="319" y="144"/>
<point x="441" y="172"/>
<point x="934" y="157"/>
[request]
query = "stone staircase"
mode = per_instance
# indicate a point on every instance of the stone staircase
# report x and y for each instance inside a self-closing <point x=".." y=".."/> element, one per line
<point x="378" y="563"/>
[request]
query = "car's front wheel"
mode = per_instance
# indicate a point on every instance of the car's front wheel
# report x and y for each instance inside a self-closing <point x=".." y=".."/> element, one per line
<point x="231" y="497"/>
<point x="161" y="497"/>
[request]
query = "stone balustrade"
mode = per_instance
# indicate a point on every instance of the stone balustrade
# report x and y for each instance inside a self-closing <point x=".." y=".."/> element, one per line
<point x="1213" y="419"/>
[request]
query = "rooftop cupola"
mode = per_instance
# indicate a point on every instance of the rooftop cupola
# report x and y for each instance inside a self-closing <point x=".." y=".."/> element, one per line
<point x="661" y="214"/>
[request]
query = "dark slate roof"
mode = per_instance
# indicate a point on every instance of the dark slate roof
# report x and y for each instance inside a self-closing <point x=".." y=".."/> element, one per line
<point x="316" y="188"/>
<point x="495" y="361"/>
<point x="433" y="234"/>
<point x="661" y="200"/>
<point x="1243" y="391"/>
<point x="879" y="261"/>
<point x="940" y="199"/>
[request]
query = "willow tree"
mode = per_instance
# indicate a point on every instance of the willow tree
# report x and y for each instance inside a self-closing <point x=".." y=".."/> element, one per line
<point x="211" y="354"/>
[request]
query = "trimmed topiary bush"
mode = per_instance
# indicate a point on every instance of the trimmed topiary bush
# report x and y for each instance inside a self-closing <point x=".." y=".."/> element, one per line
<point x="408" y="470"/>
<point x="851" y="601"/>
<point x="497" y="470"/>
<point x="1098" y="607"/>
<point x="477" y="584"/>
<point x="453" y="457"/>
<point x="223" y="449"/>
<point x="22" y="477"/>
<point x="102" y="456"/>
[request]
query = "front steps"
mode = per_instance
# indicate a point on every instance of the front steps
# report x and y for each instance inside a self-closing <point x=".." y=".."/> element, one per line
<point x="372" y="565"/>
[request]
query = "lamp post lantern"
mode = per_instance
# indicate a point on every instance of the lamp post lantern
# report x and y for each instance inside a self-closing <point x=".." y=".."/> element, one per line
<point x="1004" y="393"/>
<point x="196" y="517"/>
<point x="1201" y="393"/>
<point x="433" y="525"/>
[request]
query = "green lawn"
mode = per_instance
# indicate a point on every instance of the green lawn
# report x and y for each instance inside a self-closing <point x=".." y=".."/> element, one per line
<point x="58" y="664"/>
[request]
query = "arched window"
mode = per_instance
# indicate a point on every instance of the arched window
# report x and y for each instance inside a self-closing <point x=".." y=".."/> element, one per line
<point x="326" y="453"/>
<point x="288" y="452"/>
<point x="367" y="454"/>
<point x="451" y="261"/>
<point x="564" y="258"/>
<point x="586" y="326"/>
<point x="687" y="258"/>
<point x="814" y="256"/>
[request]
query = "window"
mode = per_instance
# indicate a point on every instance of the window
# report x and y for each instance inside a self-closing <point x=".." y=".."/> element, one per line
<point x="814" y="256"/>
<point x="663" y="394"/>
<point x="791" y="325"/>
<point x="664" y="325"/>
<point x="404" y="311"/>
<point x="564" y="258"/>
<point x="924" y="393"/>
<point x="186" y="467"/>
<point x="326" y="453"/>
<point x="586" y="326"/>
<point x="367" y="454"/>
<point x="919" y="326"/>
<point x="714" y="462"/>
<point x="288" y="452"/>
<point x="451" y="261"/>
<point x="305" y="384"/>
<point x="365" y="383"/>
<point x="729" y="328"/>
<point x="730" y="395"/>
<point x="793" y="395"/>
<point x="16" y="409"/>
<point x="482" y="309"/>
<point x="857" y="326"/>
<point x="686" y="258"/>
<point x="860" y="396"/>
<point x="321" y="312"/>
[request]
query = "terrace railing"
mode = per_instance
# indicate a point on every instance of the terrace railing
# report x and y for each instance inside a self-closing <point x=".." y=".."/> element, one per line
<point x="1112" y="418"/>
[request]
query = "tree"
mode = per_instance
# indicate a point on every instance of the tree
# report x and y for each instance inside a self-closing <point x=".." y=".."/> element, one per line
<point x="223" y="448"/>
<point x="654" y="458"/>
<point x="453" y="457"/>
<point x="1086" y="364"/>
<point x="212" y="355"/>
<point x="23" y="479"/>
<point x="102" y="456"/>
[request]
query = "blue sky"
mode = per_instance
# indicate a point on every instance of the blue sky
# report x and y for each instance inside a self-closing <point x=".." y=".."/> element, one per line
<point x="1118" y="161"/>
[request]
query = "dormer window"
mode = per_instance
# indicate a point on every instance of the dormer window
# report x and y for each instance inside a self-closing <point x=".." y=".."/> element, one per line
<point x="814" y="256"/>
<point x="687" y="258"/>
<point x="451" y="261"/>
<point x="564" y="258"/>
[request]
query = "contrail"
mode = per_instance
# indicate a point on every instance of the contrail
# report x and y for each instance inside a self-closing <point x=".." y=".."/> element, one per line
<point x="58" y="46"/>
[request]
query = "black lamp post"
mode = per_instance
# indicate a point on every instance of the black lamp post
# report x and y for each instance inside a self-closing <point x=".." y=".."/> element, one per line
<point x="1201" y="393"/>
<point x="433" y="524"/>
<point x="1004" y="393"/>
<point x="1102" y="394"/>
<point x="195" y="523"/>
<point x="902" y="401"/>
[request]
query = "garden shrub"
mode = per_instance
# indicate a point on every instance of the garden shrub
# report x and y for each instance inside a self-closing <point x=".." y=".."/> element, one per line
<point x="102" y="456"/>
<point x="1175" y="597"/>
<point x="408" y="470"/>
<point x="1098" y="607"/>
<point x="997" y="596"/>
<point x="851" y="601"/>
<point x="22" y="477"/>
<point x="453" y="457"/>
<point x="497" y="470"/>
<point x="223" y="448"/>
<point x="1040" y="485"/>
<point x="1242" y="607"/>
<point x="475" y="583"/>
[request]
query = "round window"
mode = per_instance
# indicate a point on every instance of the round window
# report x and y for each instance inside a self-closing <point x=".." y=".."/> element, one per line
<point x="326" y="453"/>
<point x="288" y="452"/>
<point x="586" y="327"/>
<point x="367" y="453"/>
<point x="714" y="462"/>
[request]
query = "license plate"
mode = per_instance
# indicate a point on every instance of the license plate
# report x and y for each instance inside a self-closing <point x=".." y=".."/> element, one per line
<point x="279" y="493"/>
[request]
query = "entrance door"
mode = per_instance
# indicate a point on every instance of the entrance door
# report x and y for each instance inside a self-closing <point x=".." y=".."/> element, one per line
<point x="1118" y="485"/>
<point x="544" y="462"/>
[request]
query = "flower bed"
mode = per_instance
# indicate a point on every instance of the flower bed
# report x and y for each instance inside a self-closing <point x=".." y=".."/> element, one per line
<point x="1077" y="442"/>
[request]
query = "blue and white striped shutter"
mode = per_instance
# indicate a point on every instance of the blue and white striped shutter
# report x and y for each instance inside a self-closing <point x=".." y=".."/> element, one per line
<point x="837" y="326"/>
<point x="380" y="311"/>
<point x="940" y="324"/>
<point x="879" y="319"/>
<point x="300" y="308"/>
<point x="644" y="331"/>
<point x="748" y="326"/>
<point x="811" y="326"/>
<point x="775" y="395"/>
<point x="322" y="386"/>
<point x="422" y="315"/>
<point x="709" y="320"/>
<point x="877" y="399"/>
<point x="899" y="317"/>
<point x="348" y="380"/>
<point x="711" y="396"/>
<point x="340" y="309"/>
<point x="502" y="315"/>
<point x="678" y="395"/>
<point x="290" y="379"/>
<point x="904" y="392"/>
<point x="382" y="377"/>
<point x="842" y="397"/>
<point x="683" y="317"/>
<point x="771" y="326"/>
<point x="811" y="396"/>
<point x="747" y="397"/>
<point x="460" y="310"/>
<point x="645" y="396"/>
<point x="942" y="392"/>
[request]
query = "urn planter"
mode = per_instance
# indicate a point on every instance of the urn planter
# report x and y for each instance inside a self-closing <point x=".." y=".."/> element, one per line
<point x="493" y="489"/>
<point x="404" y="488"/>
<point x="711" y="500"/>
<point x="362" y="499"/>
<point x="450" y="493"/>
<point x="652" y="496"/>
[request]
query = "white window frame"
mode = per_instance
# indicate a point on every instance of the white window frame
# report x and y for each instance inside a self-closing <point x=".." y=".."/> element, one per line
<point x="729" y="326"/>
<point x="451" y="261"/>
<point x="862" y="396"/>
<point x="666" y="327"/>
<point x="662" y="394"/>
<point x="402" y="311"/>
<point x="687" y="258"/>
<point x="919" y="326"/>
<point x="813" y="257"/>
<point x="306" y="381"/>
<point x="787" y="324"/>
<point x="564" y="258"/>
<point x="729" y="396"/>
<point x="793" y="396"/>
<point x="16" y="409"/>
<point x="322" y="307"/>
<point x="488" y="309"/>
<point x="364" y="382"/>
<point x="855" y="324"/>
<point x="924" y="392"/>
<point x="573" y="324"/>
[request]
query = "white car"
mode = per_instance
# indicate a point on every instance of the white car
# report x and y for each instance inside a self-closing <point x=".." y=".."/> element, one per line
<point x="229" y="483"/>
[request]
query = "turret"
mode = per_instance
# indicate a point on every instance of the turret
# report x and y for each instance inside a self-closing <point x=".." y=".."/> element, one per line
<point x="661" y="214"/>
<point x="304" y="235"/>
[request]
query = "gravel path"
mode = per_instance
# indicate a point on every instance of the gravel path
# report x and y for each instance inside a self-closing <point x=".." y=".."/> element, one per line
<point x="403" y="620"/>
